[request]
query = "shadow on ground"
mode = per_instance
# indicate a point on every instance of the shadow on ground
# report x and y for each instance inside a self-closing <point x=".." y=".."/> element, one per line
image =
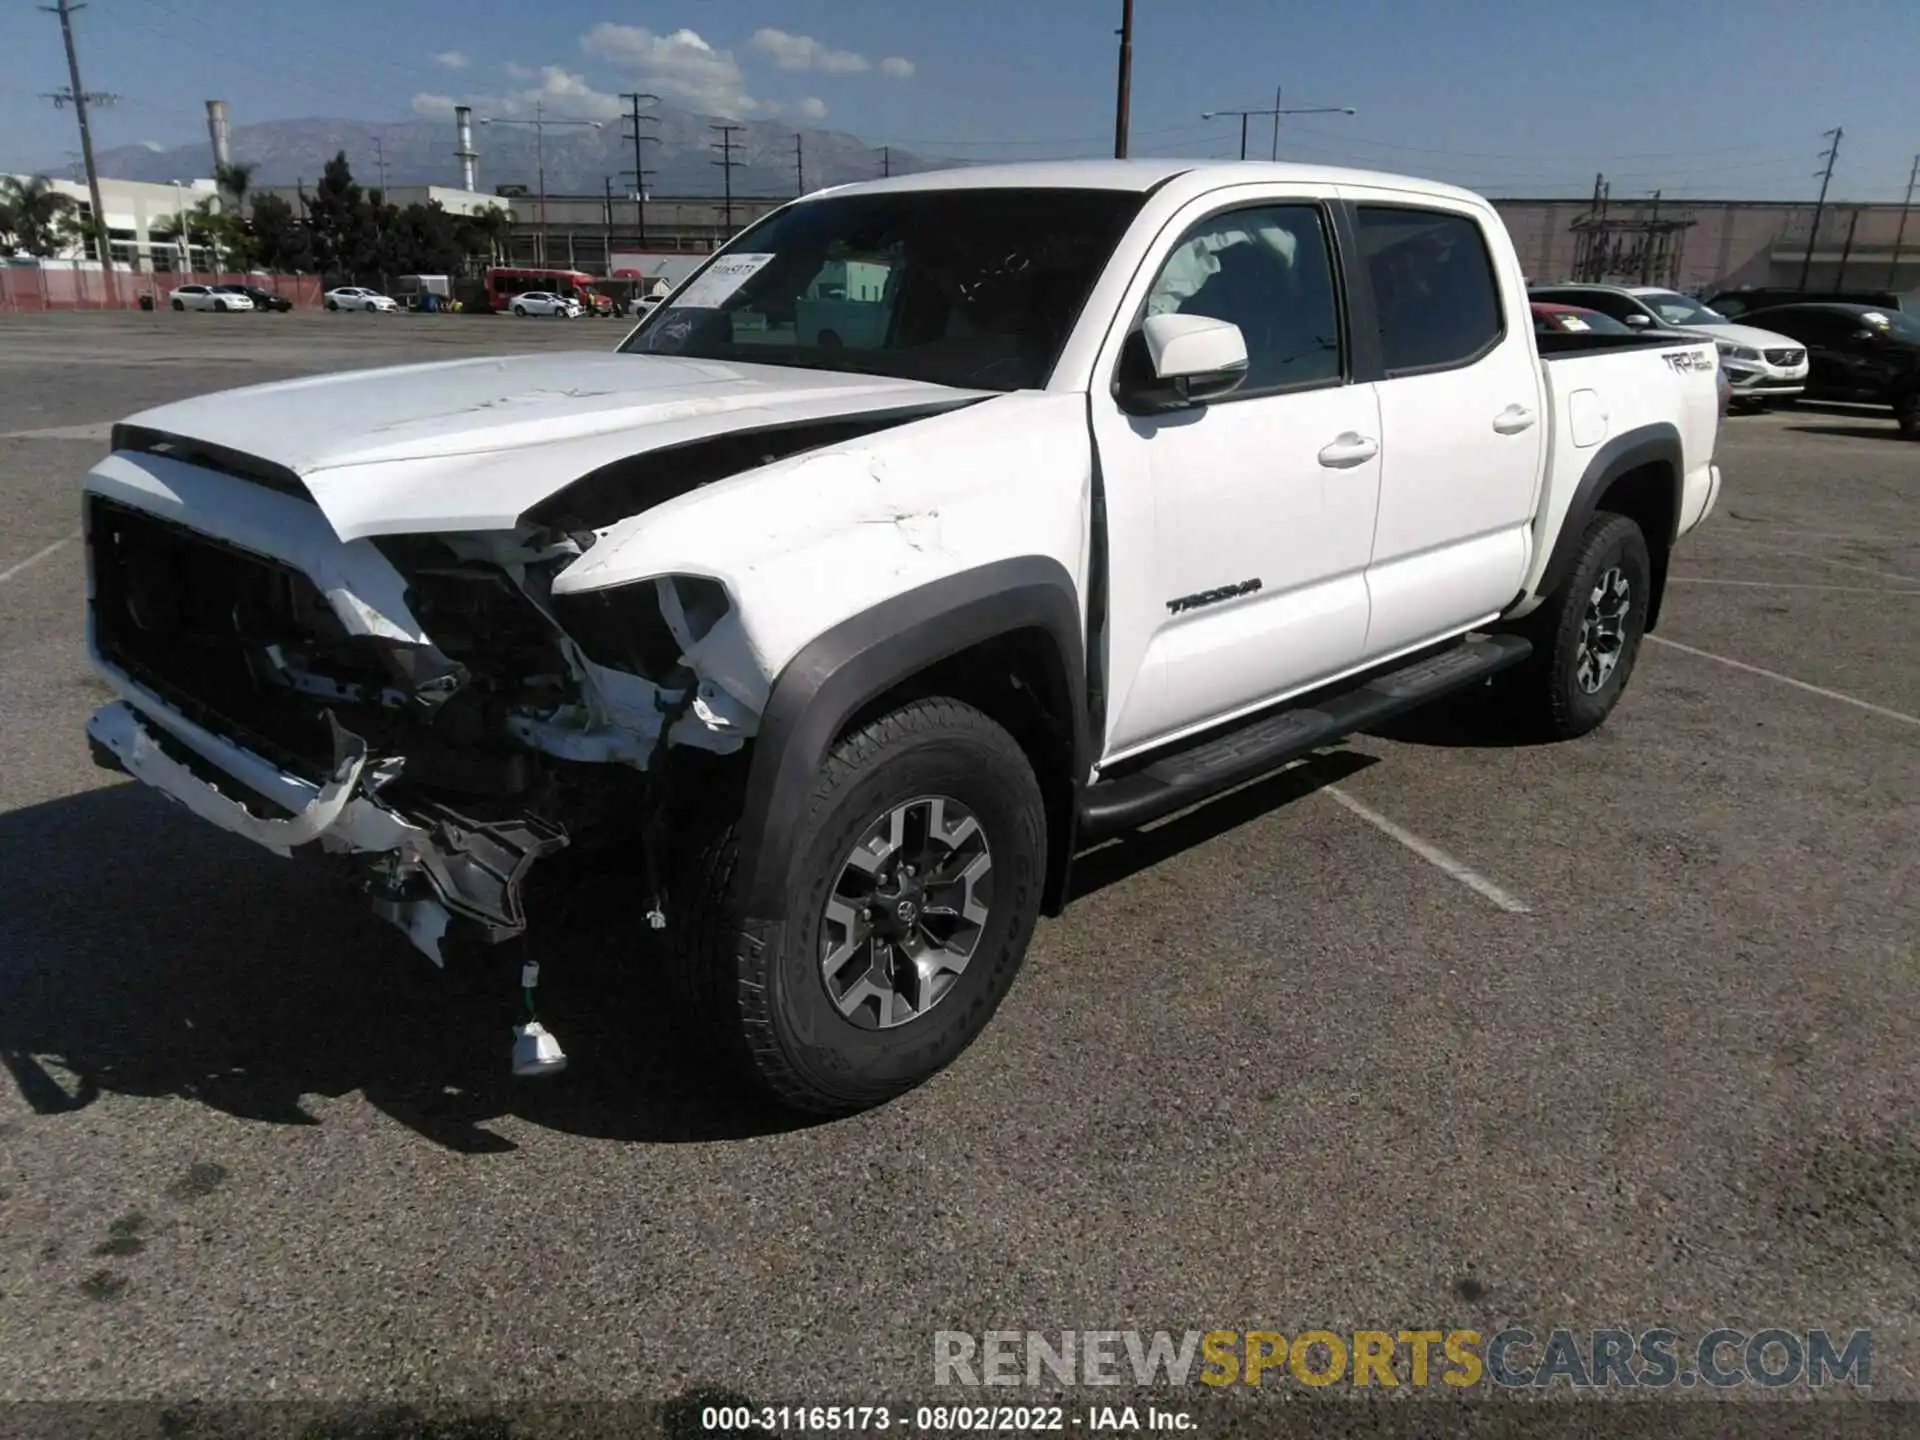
<point x="144" y="953"/>
<point x="1888" y="431"/>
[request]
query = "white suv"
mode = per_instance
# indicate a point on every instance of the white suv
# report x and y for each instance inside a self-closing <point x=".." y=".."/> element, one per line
<point x="1759" y="365"/>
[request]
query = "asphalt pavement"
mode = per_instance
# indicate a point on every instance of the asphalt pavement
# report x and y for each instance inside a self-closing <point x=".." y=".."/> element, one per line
<point x="1423" y="1034"/>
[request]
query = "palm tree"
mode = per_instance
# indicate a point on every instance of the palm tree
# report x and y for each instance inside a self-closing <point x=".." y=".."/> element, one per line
<point x="235" y="179"/>
<point x="35" y="217"/>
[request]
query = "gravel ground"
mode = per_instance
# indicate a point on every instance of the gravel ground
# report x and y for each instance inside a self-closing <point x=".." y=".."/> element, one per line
<point x="1275" y="1069"/>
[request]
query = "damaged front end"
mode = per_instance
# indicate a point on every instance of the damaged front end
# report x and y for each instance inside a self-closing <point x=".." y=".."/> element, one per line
<point x="448" y="732"/>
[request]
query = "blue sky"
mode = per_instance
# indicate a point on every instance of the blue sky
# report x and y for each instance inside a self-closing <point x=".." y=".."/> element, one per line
<point x="1698" y="97"/>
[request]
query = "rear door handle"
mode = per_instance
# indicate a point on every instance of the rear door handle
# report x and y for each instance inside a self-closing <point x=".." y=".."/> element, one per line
<point x="1349" y="449"/>
<point x="1513" y="419"/>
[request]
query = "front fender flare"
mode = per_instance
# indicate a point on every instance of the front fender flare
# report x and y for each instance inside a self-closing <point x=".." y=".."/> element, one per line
<point x="862" y="657"/>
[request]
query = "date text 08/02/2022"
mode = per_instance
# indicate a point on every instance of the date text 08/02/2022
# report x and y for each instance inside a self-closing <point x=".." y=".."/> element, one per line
<point x="940" y="1419"/>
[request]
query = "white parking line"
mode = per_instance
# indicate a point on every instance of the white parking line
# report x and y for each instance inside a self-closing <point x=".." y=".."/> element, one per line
<point x="1430" y="853"/>
<point x="102" y="431"/>
<point x="38" y="556"/>
<point x="1787" y="585"/>
<point x="1789" y="680"/>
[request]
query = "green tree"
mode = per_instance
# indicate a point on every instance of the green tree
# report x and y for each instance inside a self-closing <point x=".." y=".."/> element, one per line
<point x="484" y="234"/>
<point x="235" y="179"/>
<point x="35" y="217"/>
<point x="341" y="219"/>
<point x="280" y="235"/>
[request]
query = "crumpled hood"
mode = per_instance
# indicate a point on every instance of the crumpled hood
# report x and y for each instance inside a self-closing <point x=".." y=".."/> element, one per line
<point x="472" y="444"/>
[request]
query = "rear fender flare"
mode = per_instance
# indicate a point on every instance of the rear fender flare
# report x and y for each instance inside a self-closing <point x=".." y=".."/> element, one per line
<point x="1657" y="444"/>
<point x="866" y="655"/>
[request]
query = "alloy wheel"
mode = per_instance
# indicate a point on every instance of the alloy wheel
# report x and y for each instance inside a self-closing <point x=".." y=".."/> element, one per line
<point x="1603" y="630"/>
<point x="906" y="913"/>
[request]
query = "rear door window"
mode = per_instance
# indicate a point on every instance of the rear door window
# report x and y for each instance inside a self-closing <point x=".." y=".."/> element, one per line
<point x="1433" y="287"/>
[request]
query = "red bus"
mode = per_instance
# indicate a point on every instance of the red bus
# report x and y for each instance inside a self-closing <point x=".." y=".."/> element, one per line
<point x="501" y="283"/>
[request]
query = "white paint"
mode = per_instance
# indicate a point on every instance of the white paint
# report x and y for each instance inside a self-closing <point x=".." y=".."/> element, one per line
<point x="1867" y="705"/>
<point x="471" y="444"/>
<point x="43" y="553"/>
<point x="1431" y="853"/>
<point x="1786" y="585"/>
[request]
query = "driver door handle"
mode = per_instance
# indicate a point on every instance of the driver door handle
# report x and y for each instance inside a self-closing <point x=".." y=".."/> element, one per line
<point x="1513" y="419"/>
<point x="1349" y="449"/>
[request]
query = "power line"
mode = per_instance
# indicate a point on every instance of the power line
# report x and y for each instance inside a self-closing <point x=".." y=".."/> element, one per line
<point x="727" y="165"/>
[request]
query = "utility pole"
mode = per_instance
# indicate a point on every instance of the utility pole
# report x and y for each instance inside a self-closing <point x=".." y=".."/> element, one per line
<point x="539" y="124"/>
<point x="636" y="120"/>
<point x="1913" y="178"/>
<point x="886" y="160"/>
<point x="1276" y="112"/>
<point x="380" y="162"/>
<point x="1646" y="245"/>
<point x="77" y="93"/>
<point x="799" y="167"/>
<point x="1846" y="250"/>
<point x="609" y="219"/>
<point x="1820" y="205"/>
<point x="727" y="165"/>
<point x="1123" y="97"/>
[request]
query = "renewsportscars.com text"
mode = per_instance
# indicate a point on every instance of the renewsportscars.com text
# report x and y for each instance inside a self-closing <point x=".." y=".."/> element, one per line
<point x="1513" y="1358"/>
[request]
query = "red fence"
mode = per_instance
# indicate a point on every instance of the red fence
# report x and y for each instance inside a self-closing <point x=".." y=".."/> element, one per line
<point x="24" y="287"/>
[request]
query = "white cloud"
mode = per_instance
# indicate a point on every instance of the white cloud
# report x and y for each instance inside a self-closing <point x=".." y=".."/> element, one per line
<point x="681" y="67"/>
<point x="803" y="52"/>
<point x="154" y="145"/>
<point x="452" y="60"/>
<point x="513" y="70"/>
<point x="564" y="95"/>
<point x="897" y="67"/>
<point x="810" y="107"/>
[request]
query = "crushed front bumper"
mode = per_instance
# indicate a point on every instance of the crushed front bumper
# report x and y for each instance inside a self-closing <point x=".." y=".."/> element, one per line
<point x="426" y="873"/>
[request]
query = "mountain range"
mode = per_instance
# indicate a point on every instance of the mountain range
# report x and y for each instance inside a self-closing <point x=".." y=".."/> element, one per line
<point x="578" y="161"/>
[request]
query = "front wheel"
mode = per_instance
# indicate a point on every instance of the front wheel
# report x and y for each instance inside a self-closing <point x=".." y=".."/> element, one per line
<point x="333" y="304"/>
<point x="179" y="304"/>
<point x="521" y="311"/>
<point x="1587" y="634"/>
<point x="1906" y="413"/>
<point x="915" y="882"/>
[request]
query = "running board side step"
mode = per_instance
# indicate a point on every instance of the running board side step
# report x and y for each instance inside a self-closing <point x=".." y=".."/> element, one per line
<point x="1264" y="744"/>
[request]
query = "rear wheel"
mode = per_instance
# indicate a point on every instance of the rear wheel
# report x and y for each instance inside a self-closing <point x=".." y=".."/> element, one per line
<point x="915" y="883"/>
<point x="1587" y="635"/>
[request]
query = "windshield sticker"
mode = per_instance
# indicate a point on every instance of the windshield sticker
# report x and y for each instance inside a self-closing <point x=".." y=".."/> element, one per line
<point x="1574" y="322"/>
<point x="720" y="280"/>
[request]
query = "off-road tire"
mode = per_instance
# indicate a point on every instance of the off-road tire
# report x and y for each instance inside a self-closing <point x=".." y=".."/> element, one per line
<point x="764" y="1006"/>
<point x="1546" y="690"/>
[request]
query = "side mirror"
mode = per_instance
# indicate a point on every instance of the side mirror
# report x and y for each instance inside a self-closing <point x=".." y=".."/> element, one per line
<point x="1639" y="322"/>
<point x="1174" y="361"/>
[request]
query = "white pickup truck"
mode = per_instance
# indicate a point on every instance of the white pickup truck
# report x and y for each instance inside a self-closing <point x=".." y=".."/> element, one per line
<point x="1149" y="478"/>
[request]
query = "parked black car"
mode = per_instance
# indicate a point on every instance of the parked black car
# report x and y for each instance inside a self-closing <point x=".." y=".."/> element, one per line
<point x="1736" y="303"/>
<point x="262" y="299"/>
<point x="1863" y="353"/>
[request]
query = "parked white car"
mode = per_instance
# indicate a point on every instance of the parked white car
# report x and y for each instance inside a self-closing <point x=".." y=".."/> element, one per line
<point x="356" y="297"/>
<point x="544" y="302"/>
<point x="206" y="297"/>
<point x="1759" y="364"/>
<point x="847" y="650"/>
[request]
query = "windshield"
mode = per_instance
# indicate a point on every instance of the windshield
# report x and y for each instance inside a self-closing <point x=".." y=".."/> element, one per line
<point x="1892" y="322"/>
<point x="1677" y="309"/>
<point x="971" y="288"/>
